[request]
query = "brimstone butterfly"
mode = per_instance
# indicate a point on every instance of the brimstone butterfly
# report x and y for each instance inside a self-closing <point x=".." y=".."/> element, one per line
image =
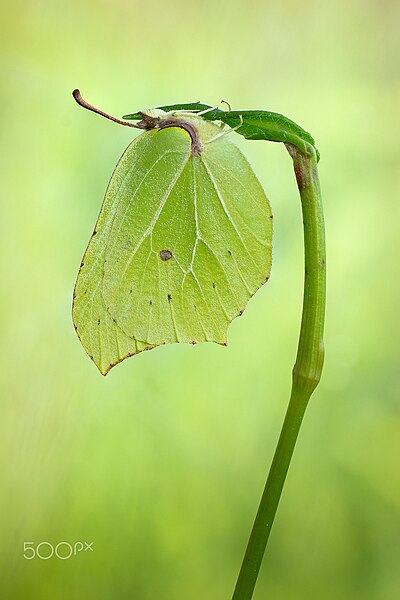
<point x="182" y="242"/>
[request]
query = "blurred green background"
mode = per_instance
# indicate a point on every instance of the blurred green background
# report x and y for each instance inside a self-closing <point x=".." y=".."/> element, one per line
<point x="162" y="463"/>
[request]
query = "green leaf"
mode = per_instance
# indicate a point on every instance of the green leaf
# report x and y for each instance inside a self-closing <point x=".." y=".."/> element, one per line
<point x="256" y="124"/>
<point x="182" y="242"/>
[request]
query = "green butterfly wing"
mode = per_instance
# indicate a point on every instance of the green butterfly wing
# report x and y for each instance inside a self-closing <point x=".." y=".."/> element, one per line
<point x="181" y="244"/>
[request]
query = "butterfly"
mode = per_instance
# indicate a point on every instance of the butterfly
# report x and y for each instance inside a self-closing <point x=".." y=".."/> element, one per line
<point x="182" y="242"/>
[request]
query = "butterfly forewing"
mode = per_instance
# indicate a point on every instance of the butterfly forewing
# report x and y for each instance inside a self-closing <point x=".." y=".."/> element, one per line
<point x="181" y="244"/>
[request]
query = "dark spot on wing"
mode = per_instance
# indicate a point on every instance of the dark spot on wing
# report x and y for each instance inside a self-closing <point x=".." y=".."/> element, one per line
<point x="166" y="255"/>
<point x="230" y="253"/>
<point x="169" y="297"/>
<point x="214" y="284"/>
<point x="151" y="302"/>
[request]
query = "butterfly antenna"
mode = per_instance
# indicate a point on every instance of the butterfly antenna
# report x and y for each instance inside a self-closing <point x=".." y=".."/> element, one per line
<point x="78" y="98"/>
<point x="227" y="103"/>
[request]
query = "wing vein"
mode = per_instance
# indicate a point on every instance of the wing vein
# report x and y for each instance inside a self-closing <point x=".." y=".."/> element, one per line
<point x="226" y="211"/>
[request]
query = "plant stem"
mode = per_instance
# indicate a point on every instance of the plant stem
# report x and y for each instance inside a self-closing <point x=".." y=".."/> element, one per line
<point x="307" y="369"/>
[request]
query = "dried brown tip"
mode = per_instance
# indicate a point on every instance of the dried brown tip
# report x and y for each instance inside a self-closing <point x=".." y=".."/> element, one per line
<point x="78" y="98"/>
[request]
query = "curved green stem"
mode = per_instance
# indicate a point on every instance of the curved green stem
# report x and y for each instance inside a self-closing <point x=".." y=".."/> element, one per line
<point x="307" y="369"/>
